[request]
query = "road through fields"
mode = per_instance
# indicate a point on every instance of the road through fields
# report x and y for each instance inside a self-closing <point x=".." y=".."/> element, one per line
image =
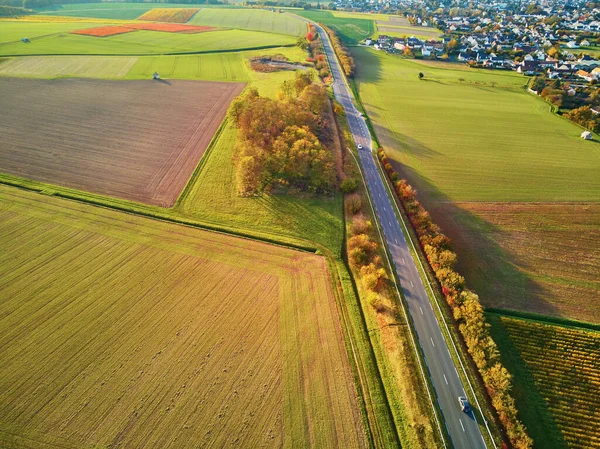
<point x="462" y="428"/>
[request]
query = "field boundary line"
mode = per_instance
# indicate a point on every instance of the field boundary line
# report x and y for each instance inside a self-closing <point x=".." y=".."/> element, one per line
<point x="544" y="319"/>
<point x="135" y="209"/>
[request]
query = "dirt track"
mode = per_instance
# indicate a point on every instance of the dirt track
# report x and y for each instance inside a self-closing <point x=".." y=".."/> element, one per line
<point x="138" y="140"/>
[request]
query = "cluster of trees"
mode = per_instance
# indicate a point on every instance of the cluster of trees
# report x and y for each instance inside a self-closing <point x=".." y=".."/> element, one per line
<point x="317" y="54"/>
<point x="575" y="106"/>
<point x="585" y="117"/>
<point x="342" y="52"/>
<point x="466" y="309"/>
<point x="278" y="140"/>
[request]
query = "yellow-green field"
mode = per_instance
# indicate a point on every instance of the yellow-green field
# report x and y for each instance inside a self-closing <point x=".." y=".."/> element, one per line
<point x="119" y="330"/>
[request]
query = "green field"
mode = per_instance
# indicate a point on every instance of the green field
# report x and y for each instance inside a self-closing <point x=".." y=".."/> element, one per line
<point x="350" y="30"/>
<point x="231" y="66"/>
<point x="259" y="20"/>
<point x="61" y="66"/>
<point x="212" y="198"/>
<point x="57" y="42"/>
<point x="480" y="139"/>
<point x="108" y="10"/>
<point x="120" y="330"/>
<point x="556" y="372"/>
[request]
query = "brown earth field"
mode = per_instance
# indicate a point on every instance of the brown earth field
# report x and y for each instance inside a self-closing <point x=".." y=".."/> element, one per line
<point x="124" y="332"/>
<point x="138" y="140"/>
<point x="534" y="257"/>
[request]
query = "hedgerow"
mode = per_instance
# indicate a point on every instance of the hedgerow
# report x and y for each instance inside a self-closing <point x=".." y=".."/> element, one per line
<point x="465" y="306"/>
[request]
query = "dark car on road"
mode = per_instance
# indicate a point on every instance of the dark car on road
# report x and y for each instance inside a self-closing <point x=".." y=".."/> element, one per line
<point x="464" y="404"/>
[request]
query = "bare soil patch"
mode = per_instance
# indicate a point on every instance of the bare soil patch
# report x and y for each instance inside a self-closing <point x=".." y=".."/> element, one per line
<point x="534" y="257"/>
<point x="138" y="140"/>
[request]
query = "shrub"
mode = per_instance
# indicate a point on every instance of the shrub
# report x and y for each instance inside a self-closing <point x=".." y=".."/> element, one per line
<point x="360" y="225"/>
<point x="353" y="203"/>
<point x="349" y="185"/>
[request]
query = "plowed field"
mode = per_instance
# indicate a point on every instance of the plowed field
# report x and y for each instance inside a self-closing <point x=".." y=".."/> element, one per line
<point x="138" y="140"/>
<point x="120" y="331"/>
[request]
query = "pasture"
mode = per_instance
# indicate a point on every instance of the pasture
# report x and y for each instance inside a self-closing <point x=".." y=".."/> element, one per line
<point x="350" y="30"/>
<point x="55" y="39"/>
<point x="118" y="330"/>
<point x="478" y="148"/>
<point x="138" y="140"/>
<point x="250" y="19"/>
<point x="474" y="135"/>
<point x="556" y="379"/>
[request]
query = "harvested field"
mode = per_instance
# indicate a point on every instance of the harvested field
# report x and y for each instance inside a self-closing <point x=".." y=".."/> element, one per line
<point x="176" y="15"/>
<point x="534" y="257"/>
<point x="138" y="140"/>
<point x="120" y="331"/>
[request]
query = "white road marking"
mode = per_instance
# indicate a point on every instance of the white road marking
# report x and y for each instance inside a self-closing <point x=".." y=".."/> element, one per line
<point x="432" y="341"/>
<point x="461" y="424"/>
<point x="456" y="372"/>
<point x="402" y="261"/>
<point x="396" y="241"/>
<point x="411" y="284"/>
<point x="445" y="378"/>
<point x="421" y="310"/>
<point x="431" y="306"/>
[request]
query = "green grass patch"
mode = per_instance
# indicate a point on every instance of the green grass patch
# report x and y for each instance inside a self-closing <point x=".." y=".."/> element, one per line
<point x="229" y="66"/>
<point x="475" y="135"/>
<point x="60" y="42"/>
<point x="211" y="198"/>
<point x="250" y="19"/>
<point x="350" y="30"/>
<point x="108" y="10"/>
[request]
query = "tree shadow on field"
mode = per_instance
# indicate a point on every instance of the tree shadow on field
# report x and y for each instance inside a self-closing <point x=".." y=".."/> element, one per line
<point x="368" y="65"/>
<point x="388" y="134"/>
<point x="488" y="268"/>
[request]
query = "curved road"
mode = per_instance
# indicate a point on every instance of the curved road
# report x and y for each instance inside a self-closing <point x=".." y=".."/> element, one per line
<point x="462" y="428"/>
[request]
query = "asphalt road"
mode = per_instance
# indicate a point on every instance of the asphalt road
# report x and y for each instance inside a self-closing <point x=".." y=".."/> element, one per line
<point x="462" y="428"/>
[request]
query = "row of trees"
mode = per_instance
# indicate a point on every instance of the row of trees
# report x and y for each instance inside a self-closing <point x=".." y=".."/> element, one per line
<point x="317" y="54"/>
<point x="466" y="309"/>
<point x="346" y="59"/>
<point x="278" y="140"/>
<point x="363" y="252"/>
<point x="6" y="11"/>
